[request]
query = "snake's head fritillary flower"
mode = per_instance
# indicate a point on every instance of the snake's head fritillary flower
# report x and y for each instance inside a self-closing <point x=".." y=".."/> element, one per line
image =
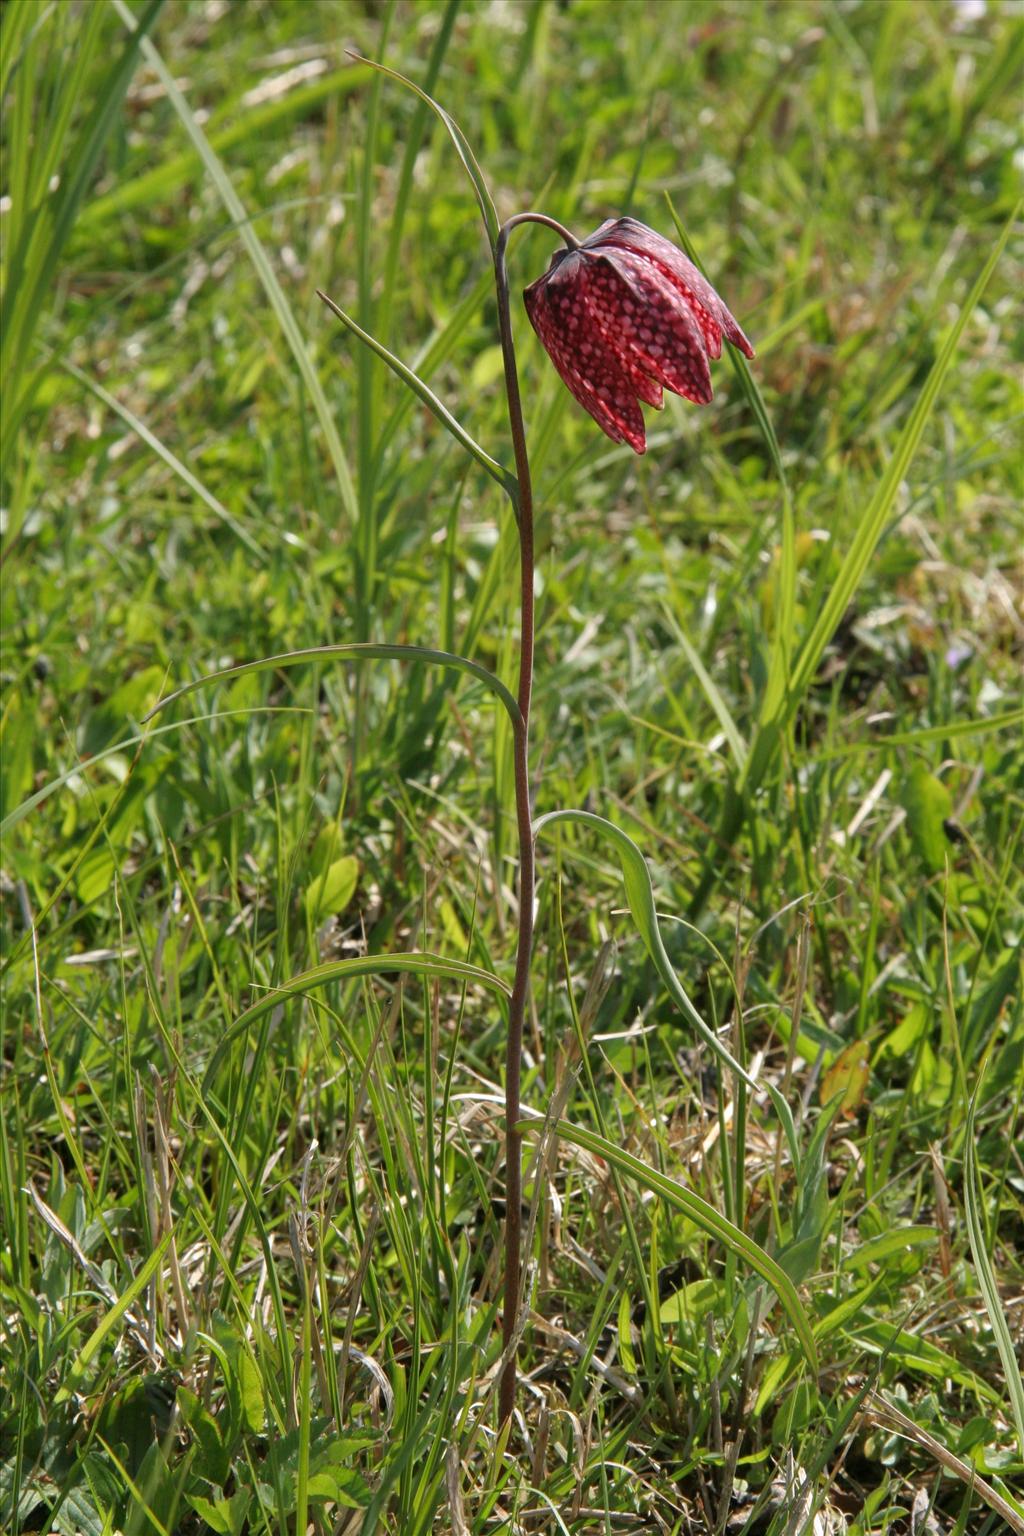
<point x="624" y="315"/>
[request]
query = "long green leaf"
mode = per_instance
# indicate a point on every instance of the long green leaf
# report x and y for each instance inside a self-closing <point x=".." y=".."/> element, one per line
<point x="110" y="1319"/>
<point x="163" y="180"/>
<point x="352" y="652"/>
<point x="973" y="1200"/>
<point x="640" y="895"/>
<point x="436" y="351"/>
<point x="403" y="189"/>
<point x="747" y="381"/>
<point x="260" y="260"/>
<point x="699" y="1212"/>
<point x="483" y="197"/>
<point x="982" y="725"/>
<point x="426" y="394"/>
<point x="711" y="689"/>
<point x="879" y="510"/>
<point x="411" y="963"/>
<point x="173" y="463"/>
<point x="32" y="266"/>
<point x="349" y="652"/>
<point x="127" y="744"/>
<point x="785" y="603"/>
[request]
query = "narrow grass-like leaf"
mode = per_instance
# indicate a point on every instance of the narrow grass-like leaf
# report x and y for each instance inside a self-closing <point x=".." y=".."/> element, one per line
<point x="260" y="260"/>
<point x="30" y="268"/>
<point x="483" y="197"/>
<point x="640" y="895"/>
<point x="879" y="510"/>
<point x="1013" y="719"/>
<point x="403" y="191"/>
<point x="167" y="178"/>
<point x="128" y="744"/>
<point x="1002" y="1502"/>
<point x="365" y="543"/>
<point x="712" y="692"/>
<point x="437" y="350"/>
<point x="748" y="383"/>
<point x="702" y="1214"/>
<point x="426" y="394"/>
<point x="783" y="638"/>
<point x="357" y="650"/>
<point x="171" y="460"/>
<point x="973" y="1205"/>
<point x="411" y="962"/>
<point x="110" y="1319"/>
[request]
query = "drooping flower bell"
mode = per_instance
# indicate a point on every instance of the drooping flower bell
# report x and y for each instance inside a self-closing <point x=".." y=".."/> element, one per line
<point x="624" y="314"/>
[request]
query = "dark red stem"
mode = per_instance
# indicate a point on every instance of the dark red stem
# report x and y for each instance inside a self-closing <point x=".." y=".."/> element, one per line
<point x="524" y="820"/>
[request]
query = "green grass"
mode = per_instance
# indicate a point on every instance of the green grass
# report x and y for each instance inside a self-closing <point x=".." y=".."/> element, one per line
<point x="250" y="1175"/>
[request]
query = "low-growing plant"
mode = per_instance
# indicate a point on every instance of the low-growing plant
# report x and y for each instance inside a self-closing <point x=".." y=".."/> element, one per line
<point x="623" y="314"/>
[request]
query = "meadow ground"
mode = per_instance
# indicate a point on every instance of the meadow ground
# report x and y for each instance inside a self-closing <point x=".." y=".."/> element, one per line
<point x="252" y="1225"/>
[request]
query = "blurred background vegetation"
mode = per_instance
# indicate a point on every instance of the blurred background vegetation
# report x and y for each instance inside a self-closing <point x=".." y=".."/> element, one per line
<point x="200" y="469"/>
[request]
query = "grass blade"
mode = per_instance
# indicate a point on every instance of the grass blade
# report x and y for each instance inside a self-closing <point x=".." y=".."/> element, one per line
<point x="403" y="191"/>
<point x="32" y="265"/>
<point x="260" y="260"/>
<point x="973" y="1205"/>
<point x="880" y="508"/>
<point x="712" y="692"/>
<point x="179" y="171"/>
<point x="173" y="463"/>
<point x="785" y="604"/>
<point x="127" y="744"/>
<point x="110" y="1319"/>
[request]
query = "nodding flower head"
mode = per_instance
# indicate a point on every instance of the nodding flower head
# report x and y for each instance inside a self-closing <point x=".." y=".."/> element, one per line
<point x="624" y="314"/>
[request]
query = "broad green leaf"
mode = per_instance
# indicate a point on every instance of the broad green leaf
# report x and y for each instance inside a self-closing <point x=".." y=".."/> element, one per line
<point x="332" y="891"/>
<point x="901" y="1347"/>
<point x="927" y="803"/>
<point x="250" y="1392"/>
<point x="78" y="1516"/>
<point x="877" y="1249"/>
<point x="212" y="1460"/>
<point x="95" y="873"/>
<point x="226" y="1517"/>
